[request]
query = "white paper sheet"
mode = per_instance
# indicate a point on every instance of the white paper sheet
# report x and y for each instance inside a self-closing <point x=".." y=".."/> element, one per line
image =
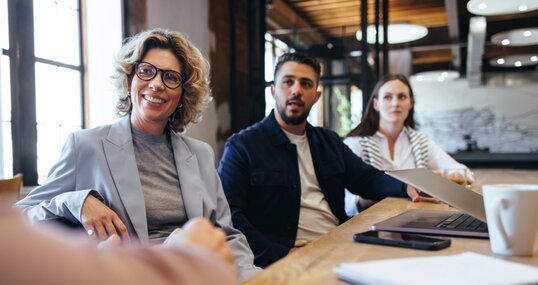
<point x="464" y="268"/>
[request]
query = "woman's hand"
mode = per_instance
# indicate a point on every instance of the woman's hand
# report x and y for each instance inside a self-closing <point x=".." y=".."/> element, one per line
<point x="200" y="232"/>
<point x="415" y="196"/>
<point x="100" y="220"/>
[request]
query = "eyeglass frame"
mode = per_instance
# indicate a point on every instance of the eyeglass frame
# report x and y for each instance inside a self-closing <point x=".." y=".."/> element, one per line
<point x="162" y="71"/>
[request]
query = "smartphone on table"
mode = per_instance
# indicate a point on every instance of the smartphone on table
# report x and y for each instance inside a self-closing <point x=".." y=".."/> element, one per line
<point x="402" y="240"/>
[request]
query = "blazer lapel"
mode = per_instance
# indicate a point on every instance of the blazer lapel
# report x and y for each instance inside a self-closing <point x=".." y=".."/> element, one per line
<point x="189" y="177"/>
<point x="121" y="160"/>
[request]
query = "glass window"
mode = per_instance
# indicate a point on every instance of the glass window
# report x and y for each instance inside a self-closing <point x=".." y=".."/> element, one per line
<point x="273" y="49"/>
<point x="101" y="94"/>
<point x="56" y="30"/>
<point x="58" y="88"/>
<point x="4" y="28"/>
<point x="58" y="112"/>
<point x="6" y="151"/>
<point x="356" y="106"/>
<point x="58" y="75"/>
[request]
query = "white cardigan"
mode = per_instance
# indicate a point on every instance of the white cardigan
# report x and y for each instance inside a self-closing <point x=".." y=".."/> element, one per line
<point x="403" y="159"/>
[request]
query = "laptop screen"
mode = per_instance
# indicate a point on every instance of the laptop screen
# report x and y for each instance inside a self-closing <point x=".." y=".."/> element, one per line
<point x="462" y="198"/>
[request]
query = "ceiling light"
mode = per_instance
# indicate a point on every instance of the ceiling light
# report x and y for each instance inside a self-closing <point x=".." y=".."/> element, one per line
<point x="500" y="7"/>
<point x="436" y="76"/>
<point x="517" y="37"/>
<point x="518" y="60"/>
<point x="398" y="33"/>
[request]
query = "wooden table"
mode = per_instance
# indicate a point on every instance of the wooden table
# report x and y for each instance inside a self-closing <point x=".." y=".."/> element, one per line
<point x="314" y="263"/>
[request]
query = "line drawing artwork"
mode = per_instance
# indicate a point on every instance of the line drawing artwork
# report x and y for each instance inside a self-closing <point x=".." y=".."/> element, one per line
<point x="490" y="131"/>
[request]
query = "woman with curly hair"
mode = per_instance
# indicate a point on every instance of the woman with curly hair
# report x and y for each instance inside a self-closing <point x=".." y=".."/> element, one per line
<point x="142" y="177"/>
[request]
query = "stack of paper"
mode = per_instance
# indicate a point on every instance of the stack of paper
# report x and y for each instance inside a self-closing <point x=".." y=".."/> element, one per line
<point x="464" y="268"/>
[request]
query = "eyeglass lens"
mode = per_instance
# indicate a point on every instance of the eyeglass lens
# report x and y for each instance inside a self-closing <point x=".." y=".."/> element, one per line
<point x="147" y="71"/>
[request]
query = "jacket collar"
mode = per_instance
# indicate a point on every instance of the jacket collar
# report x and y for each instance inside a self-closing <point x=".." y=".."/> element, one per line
<point x="120" y="132"/>
<point x="188" y="173"/>
<point x="276" y="134"/>
<point x="119" y="152"/>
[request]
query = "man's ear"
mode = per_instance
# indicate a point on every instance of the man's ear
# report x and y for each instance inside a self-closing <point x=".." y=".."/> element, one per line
<point x="273" y="90"/>
<point x="318" y="94"/>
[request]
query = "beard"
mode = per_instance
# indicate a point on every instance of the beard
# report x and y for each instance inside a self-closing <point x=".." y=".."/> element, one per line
<point x="292" y="120"/>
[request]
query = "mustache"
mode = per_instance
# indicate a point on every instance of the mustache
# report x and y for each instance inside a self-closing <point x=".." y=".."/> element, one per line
<point x="296" y="99"/>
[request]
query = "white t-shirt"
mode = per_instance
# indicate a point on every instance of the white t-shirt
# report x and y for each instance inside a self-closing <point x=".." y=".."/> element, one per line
<point x="403" y="159"/>
<point x="315" y="216"/>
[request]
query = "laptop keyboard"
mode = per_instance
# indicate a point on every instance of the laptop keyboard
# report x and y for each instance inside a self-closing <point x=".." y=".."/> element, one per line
<point x="462" y="221"/>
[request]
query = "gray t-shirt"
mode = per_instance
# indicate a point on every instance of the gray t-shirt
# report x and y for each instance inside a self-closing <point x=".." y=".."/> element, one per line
<point x="165" y="210"/>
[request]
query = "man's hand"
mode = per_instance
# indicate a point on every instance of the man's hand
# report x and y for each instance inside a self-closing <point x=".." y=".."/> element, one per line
<point x="200" y="232"/>
<point x="415" y="196"/>
<point x="100" y="220"/>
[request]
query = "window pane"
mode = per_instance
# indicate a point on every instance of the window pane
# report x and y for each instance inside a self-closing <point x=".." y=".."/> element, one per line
<point x="56" y="31"/>
<point x="58" y="112"/>
<point x="101" y="93"/>
<point x="6" y="151"/>
<point x="4" y="28"/>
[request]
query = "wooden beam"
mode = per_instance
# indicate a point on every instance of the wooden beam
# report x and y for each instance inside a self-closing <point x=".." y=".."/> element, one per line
<point x="432" y="56"/>
<point x="492" y="50"/>
<point x="281" y="16"/>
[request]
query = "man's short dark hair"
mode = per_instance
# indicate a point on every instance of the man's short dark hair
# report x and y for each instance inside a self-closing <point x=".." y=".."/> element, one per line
<point x="299" y="58"/>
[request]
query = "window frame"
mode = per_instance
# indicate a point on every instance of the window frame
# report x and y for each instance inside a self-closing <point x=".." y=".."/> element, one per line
<point x="23" y="92"/>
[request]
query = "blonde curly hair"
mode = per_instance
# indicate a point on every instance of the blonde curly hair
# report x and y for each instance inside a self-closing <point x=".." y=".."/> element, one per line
<point x="195" y="70"/>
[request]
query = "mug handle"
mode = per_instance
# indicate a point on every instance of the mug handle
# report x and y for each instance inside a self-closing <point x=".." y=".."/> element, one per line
<point x="498" y="203"/>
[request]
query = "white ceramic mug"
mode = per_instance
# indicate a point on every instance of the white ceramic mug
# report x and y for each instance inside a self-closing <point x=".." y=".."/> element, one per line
<point x="512" y="216"/>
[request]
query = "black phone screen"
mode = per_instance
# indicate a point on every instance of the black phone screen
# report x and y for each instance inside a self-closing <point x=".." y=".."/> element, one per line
<point x="402" y="240"/>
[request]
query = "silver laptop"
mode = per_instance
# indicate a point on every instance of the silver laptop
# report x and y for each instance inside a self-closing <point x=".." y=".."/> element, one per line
<point x="470" y="222"/>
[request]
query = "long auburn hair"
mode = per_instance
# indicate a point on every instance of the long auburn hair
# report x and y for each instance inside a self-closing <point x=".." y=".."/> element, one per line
<point x="370" y="119"/>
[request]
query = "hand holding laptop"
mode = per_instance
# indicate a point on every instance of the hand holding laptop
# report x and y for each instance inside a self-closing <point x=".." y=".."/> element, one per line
<point x="436" y="221"/>
<point x="419" y="196"/>
<point x="461" y="175"/>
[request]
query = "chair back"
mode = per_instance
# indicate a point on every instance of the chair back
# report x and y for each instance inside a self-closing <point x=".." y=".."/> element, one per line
<point x="11" y="185"/>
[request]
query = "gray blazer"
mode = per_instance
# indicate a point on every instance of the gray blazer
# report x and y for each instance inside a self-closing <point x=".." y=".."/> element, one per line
<point x="101" y="161"/>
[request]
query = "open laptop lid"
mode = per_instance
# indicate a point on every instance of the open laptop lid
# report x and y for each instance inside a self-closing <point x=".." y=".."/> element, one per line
<point x="443" y="189"/>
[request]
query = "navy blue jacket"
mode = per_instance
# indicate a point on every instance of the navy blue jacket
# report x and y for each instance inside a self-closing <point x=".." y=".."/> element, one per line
<point x="260" y="177"/>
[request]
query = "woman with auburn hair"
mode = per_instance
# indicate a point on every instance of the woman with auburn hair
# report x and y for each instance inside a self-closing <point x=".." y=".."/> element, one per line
<point x="142" y="177"/>
<point x="386" y="137"/>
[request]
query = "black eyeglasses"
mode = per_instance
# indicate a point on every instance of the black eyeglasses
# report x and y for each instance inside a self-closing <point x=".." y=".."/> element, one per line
<point x="147" y="71"/>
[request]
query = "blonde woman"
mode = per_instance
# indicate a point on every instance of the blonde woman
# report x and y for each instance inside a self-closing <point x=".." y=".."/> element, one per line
<point x="142" y="178"/>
